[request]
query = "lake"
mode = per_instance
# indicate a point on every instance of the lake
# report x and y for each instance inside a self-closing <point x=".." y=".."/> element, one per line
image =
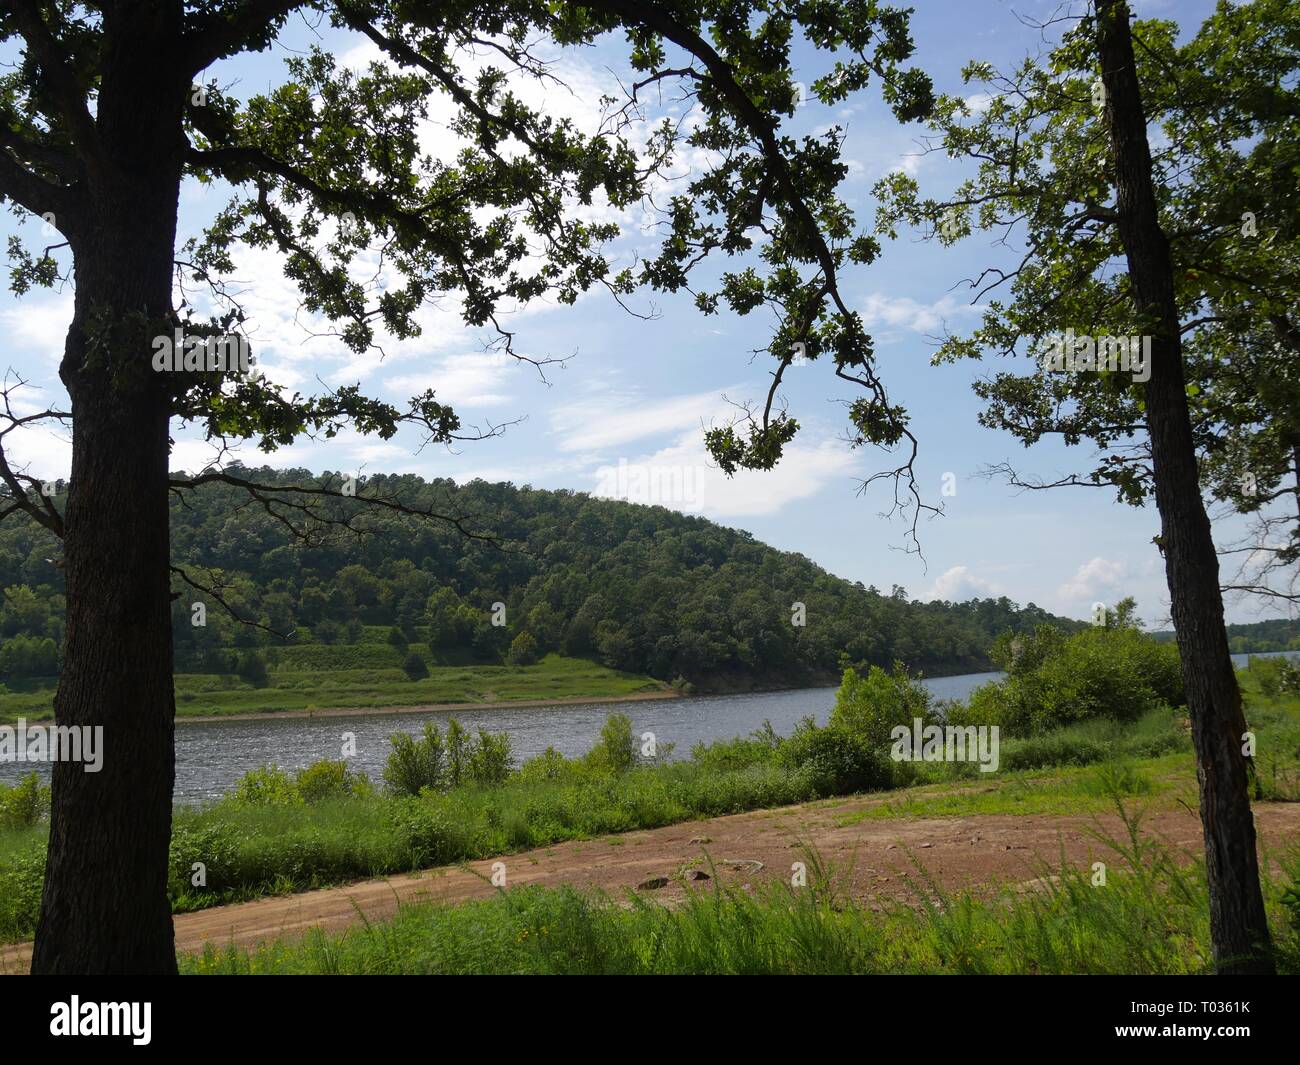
<point x="212" y="755"/>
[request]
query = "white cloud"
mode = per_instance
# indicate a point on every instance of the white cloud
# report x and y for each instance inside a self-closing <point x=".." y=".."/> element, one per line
<point x="960" y="583"/>
<point x="40" y="324"/>
<point x="905" y="312"/>
<point x="683" y="478"/>
<point x="1093" y="579"/>
<point x="470" y="380"/>
<point x="909" y="164"/>
<point x="611" y="418"/>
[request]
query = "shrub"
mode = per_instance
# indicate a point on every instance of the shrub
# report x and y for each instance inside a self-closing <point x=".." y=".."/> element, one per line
<point x="24" y="804"/>
<point x="329" y="780"/>
<point x="22" y="878"/>
<point x="1055" y="680"/>
<point x="870" y="706"/>
<point x="727" y="756"/>
<point x="425" y="835"/>
<point x="414" y="667"/>
<point x="550" y="765"/>
<point x="523" y="650"/>
<point x="327" y="631"/>
<point x="267" y="785"/>
<point x="416" y="764"/>
<point x="837" y="759"/>
<point x="252" y="669"/>
<point x="615" y="751"/>
<point x="490" y="760"/>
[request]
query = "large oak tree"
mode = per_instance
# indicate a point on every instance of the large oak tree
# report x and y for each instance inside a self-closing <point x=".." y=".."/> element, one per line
<point x="1193" y="242"/>
<point x="112" y="105"/>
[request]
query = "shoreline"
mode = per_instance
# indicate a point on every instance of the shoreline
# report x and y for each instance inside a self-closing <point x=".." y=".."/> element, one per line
<point x="363" y="711"/>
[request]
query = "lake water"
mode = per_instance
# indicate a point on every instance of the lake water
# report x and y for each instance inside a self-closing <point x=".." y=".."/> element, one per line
<point x="211" y="756"/>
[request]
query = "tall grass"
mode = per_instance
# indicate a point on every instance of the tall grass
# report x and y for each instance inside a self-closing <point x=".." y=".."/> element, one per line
<point x="1148" y="917"/>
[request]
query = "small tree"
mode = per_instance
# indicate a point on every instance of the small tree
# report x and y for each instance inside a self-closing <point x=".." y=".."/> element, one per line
<point x="414" y="667"/>
<point x="523" y="650"/>
<point x="252" y="669"/>
<point x="616" y="748"/>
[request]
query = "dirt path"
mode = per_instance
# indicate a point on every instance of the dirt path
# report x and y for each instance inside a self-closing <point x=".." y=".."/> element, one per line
<point x="979" y="852"/>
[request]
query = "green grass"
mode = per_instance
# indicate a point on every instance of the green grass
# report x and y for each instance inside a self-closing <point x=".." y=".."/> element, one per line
<point x="1150" y="917"/>
<point x="206" y="694"/>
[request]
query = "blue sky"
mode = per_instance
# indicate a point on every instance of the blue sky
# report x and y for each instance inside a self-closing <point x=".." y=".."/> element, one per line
<point x="635" y="395"/>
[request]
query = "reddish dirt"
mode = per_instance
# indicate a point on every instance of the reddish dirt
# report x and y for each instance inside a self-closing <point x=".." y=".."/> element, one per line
<point x="873" y="856"/>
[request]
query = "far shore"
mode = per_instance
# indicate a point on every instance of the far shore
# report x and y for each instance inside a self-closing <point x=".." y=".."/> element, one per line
<point x="360" y="711"/>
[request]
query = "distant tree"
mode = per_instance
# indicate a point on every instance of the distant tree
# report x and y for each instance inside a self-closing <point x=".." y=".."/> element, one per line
<point x="327" y="631"/>
<point x="252" y="669"/>
<point x="523" y="650"/>
<point x="414" y="667"/>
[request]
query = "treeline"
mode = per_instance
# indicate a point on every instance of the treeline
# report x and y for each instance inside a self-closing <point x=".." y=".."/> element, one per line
<point x="1258" y="637"/>
<point x="638" y="588"/>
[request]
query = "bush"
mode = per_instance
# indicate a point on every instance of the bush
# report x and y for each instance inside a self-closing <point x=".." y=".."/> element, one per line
<point x="425" y="836"/>
<point x="837" y="759"/>
<point x="24" y="804"/>
<point x="490" y="760"/>
<point x="523" y="650"/>
<point x="414" y="667"/>
<point x="416" y="764"/>
<point x="870" y="706"/>
<point x="22" y="878"/>
<point x="329" y="780"/>
<point x="615" y="751"/>
<point x="252" y="669"/>
<point x="550" y="765"/>
<point x="267" y="785"/>
<point x="1273" y="676"/>
<point x="1055" y="680"/>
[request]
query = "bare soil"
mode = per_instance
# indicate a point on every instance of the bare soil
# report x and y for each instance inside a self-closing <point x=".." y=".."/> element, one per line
<point x="877" y="859"/>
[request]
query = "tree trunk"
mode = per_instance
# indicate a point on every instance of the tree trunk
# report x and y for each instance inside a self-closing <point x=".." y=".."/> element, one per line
<point x="104" y="908"/>
<point x="1238" y="925"/>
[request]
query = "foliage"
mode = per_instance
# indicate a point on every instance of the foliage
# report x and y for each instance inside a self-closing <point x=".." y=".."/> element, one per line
<point x="647" y="590"/>
<point x="267" y="785"/>
<point x="25" y="803"/>
<point x="616" y="749"/>
<point x="1115" y="672"/>
<point x="869" y="706"/>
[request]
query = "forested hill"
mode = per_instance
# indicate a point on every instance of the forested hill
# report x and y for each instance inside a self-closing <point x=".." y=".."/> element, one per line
<point x="638" y="588"/>
<point x="1257" y="637"/>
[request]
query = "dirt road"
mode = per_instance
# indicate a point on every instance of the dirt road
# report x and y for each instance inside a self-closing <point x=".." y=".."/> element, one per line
<point x="980" y="852"/>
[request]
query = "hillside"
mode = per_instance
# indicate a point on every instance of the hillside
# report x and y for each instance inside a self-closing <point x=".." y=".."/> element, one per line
<point x="643" y="591"/>
<point x="1258" y="637"/>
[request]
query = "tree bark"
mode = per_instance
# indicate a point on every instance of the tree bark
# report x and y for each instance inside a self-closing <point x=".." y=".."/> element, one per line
<point x="1238" y="924"/>
<point x="104" y="908"/>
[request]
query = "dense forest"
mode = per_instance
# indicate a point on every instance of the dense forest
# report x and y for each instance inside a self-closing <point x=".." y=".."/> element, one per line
<point x="1258" y="637"/>
<point x="638" y="588"/>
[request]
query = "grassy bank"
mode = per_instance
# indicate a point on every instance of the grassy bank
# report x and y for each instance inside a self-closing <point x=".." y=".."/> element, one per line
<point x="1150" y="917"/>
<point x="375" y="683"/>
